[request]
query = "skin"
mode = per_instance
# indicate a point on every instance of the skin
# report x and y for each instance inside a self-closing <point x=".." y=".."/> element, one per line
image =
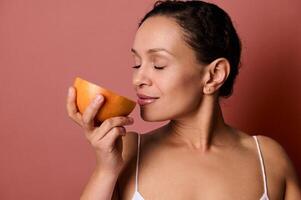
<point x="196" y="155"/>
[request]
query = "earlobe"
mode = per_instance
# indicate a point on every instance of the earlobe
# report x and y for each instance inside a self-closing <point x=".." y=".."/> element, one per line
<point x="207" y="79"/>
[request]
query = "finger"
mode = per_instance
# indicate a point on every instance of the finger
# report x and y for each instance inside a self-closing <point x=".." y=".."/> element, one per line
<point x="117" y="132"/>
<point x="119" y="129"/>
<point x="71" y="107"/>
<point x="101" y="131"/>
<point x="72" y="110"/>
<point x="91" y="111"/>
<point x="108" y="142"/>
<point x="112" y="122"/>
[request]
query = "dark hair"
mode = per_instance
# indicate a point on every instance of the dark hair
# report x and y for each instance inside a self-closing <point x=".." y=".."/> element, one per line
<point x="208" y="30"/>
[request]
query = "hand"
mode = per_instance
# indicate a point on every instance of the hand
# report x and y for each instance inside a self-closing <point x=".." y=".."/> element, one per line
<point x="105" y="138"/>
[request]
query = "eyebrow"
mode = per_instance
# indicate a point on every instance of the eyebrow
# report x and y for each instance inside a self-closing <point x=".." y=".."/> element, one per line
<point x="153" y="51"/>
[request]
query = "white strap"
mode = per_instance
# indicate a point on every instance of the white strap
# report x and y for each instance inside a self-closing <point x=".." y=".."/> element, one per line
<point x="137" y="163"/>
<point x="262" y="165"/>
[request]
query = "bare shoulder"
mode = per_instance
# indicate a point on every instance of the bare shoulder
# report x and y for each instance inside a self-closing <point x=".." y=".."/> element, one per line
<point x="275" y="152"/>
<point x="279" y="159"/>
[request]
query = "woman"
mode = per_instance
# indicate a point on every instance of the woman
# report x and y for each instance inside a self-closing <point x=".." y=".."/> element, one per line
<point x="187" y="57"/>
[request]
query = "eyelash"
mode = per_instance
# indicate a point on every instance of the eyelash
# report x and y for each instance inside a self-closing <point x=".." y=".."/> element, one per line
<point x="159" y="68"/>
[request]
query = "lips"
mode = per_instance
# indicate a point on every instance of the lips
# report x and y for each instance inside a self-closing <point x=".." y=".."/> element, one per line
<point x="143" y="96"/>
<point x="145" y="99"/>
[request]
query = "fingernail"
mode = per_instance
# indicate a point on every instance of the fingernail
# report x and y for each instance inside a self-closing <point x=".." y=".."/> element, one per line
<point x="98" y="98"/>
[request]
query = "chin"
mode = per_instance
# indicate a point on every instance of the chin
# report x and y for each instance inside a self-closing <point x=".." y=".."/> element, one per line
<point x="150" y="115"/>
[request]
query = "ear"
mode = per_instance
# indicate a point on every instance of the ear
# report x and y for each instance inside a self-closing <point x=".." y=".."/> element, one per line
<point x="215" y="76"/>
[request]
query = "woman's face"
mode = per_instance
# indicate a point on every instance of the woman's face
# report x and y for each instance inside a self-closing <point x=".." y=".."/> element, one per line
<point x="159" y="44"/>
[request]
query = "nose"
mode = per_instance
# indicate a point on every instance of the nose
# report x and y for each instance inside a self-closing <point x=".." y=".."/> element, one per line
<point x="141" y="77"/>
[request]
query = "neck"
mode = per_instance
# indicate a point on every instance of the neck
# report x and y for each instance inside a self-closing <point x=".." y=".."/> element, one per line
<point x="201" y="128"/>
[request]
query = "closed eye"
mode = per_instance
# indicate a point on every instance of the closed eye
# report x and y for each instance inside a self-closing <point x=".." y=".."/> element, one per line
<point x="137" y="66"/>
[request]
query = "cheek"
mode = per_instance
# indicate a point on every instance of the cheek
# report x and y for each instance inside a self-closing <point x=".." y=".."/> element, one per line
<point x="182" y="86"/>
<point x="179" y="95"/>
<point x="182" y="93"/>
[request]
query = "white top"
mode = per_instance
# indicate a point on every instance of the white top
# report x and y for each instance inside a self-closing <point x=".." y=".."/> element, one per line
<point x="138" y="196"/>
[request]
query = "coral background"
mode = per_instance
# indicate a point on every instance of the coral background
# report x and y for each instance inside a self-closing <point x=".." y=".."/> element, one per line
<point x="45" y="44"/>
